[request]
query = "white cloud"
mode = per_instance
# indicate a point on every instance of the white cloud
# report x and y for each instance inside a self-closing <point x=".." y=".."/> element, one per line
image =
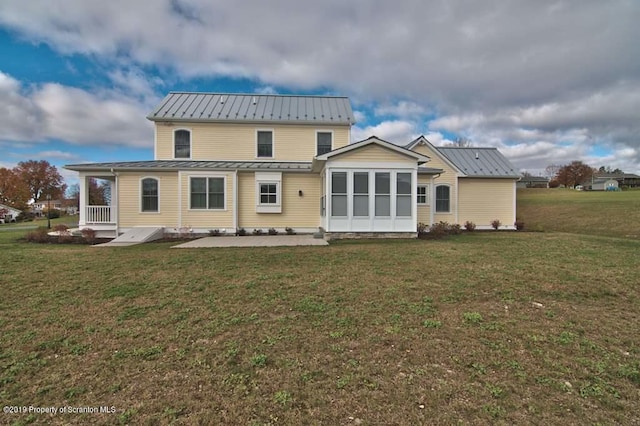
<point x="571" y="69"/>
<point x="57" y="154"/>
<point x="397" y="131"/>
<point x="53" y="111"/>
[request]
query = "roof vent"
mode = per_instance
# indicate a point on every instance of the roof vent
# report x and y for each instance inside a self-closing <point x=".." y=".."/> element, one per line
<point x="254" y="100"/>
<point x="477" y="156"/>
<point x="221" y="99"/>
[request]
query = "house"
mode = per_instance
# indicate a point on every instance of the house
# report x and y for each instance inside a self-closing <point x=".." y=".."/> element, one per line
<point x="603" y="184"/>
<point x="533" y="182"/>
<point x="8" y="214"/>
<point x="623" y="180"/>
<point x="231" y="161"/>
<point x="41" y="207"/>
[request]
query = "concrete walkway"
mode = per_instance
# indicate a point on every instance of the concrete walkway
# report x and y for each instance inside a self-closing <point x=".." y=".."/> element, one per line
<point x="255" y="241"/>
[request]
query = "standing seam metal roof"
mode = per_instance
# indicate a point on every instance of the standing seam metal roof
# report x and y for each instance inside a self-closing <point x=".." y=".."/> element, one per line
<point x="186" y="106"/>
<point x="300" y="166"/>
<point x="480" y="162"/>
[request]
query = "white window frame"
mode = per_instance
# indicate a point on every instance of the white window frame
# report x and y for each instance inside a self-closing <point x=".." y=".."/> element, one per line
<point x="269" y="178"/>
<point x="273" y="143"/>
<point x="190" y="143"/>
<point x="324" y="131"/>
<point x="141" y="195"/>
<point x="207" y="177"/>
<point x="435" y="199"/>
<point x="426" y="194"/>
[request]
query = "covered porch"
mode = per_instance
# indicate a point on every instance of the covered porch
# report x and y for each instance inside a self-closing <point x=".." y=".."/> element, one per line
<point x="98" y="213"/>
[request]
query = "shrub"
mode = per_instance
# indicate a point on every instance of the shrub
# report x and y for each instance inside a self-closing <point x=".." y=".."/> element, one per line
<point x="422" y="228"/>
<point x="53" y="214"/>
<point x="63" y="232"/>
<point x="25" y="217"/>
<point x="455" y="229"/>
<point x="519" y="224"/>
<point x="495" y="224"/>
<point x="272" y="231"/>
<point x="469" y="226"/>
<point x="241" y="232"/>
<point x="439" y="230"/>
<point x="289" y="231"/>
<point x="39" y="235"/>
<point x="214" y="232"/>
<point x="258" y="232"/>
<point x="89" y="235"/>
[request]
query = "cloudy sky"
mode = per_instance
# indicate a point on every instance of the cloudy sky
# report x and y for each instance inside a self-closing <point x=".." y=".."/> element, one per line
<point x="547" y="82"/>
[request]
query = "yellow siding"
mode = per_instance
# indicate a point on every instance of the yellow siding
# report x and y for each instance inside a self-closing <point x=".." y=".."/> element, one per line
<point x="209" y="219"/>
<point x="297" y="211"/>
<point x="375" y="153"/>
<point x="424" y="212"/>
<point x="483" y="200"/>
<point x="235" y="141"/>
<point x="129" y="199"/>
<point x="448" y="177"/>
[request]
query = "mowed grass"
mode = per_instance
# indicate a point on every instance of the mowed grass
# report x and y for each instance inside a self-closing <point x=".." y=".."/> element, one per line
<point x="500" y="328"/>
<point x="587" y="212"/>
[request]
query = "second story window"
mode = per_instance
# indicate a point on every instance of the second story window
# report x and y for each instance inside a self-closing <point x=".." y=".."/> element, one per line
<point x="265" y="144"/>
<point x="182" y="144"/>
<point x="323" y="142"/>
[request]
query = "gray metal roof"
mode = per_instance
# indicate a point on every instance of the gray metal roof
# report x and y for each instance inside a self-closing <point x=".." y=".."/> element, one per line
<point x="162" y="165"/>
<point x="227" y="107"/>
<point x="480" y="162"/>
<point x="429" y="170"/>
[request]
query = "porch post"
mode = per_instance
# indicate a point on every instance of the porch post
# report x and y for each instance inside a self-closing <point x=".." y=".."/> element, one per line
<point x="84" y="198"/>
<point x="114" y="200"/>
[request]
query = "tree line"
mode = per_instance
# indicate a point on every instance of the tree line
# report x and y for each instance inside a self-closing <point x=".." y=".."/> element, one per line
<point x="575" y="173"/>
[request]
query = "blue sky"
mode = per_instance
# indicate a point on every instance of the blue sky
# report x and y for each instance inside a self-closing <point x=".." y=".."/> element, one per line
<point x="546" y="82"/>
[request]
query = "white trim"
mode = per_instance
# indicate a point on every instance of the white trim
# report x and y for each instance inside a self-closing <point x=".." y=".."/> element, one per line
<point x="268" y="178"/>
<point x="316" y="141"/>
<point x="435" y="198"/>
<point x="140" y="194"/>
<point x="180" y="176"/>
<point x="207" y="175"/>
<point x="155" y="141"/>
<point x="234" y="202"/>
<point x="376" y="141"/>
<point x="515" y="192"/>
<point x="371" y="165"/>
<point x="426" y="194"/>
<point x="273" y="142"/>
<point x="173" y="146"/>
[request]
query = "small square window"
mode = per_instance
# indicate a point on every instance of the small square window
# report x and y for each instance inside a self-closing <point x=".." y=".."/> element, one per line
<point x="323" y="142"/>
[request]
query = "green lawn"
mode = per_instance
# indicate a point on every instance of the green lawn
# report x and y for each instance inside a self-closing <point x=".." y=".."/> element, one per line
<point x="586" y="212"/>
<point x="524" y="328"/>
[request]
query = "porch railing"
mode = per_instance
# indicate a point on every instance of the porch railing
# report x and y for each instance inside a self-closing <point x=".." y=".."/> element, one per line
<point x="99" y="214"/>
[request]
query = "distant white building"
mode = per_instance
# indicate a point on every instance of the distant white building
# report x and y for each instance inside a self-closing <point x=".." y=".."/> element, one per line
<point x="8" y="214"/>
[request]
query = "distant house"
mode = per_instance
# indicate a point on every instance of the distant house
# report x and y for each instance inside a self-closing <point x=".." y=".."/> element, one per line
<point x="42" y="206"/>
<point x="8" y="214"/>
<point x="533" y="182"/>
<point x="624" y="180"/>
<point x="604" y="184"/>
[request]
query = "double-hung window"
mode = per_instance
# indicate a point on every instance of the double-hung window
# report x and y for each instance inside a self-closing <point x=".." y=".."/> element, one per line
<point x="207" y="193"/>
<point x="383" y="194"/>
<point x="443" y="199"/>
<point x="338" y="194"/>
<point x="182" y="144"/>
<point x="149" y="201"/>
<point x="403" y="194"/>
<point x="264" y="144"/>
<point x="361" y="194"/>
<point x="324" y="142"/>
